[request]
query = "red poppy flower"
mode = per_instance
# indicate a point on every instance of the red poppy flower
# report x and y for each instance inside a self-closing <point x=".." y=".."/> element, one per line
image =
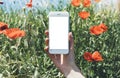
<point x="14" y="33"/>
<point x="104" y="27"/>
<point x="96" y="30"/>
<point x="3" y="26"/>
<point x="86" y="3"/>
<point x="96" y="56"/>
<point x="88" y="56"/>
<point x="29" y="5"/>
<point x="8" y="31"/>
<point x="84" y="14"/>
<point x="76" y="2"/>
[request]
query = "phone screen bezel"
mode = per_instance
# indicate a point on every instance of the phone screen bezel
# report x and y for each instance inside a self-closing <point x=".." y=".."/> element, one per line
<point x="59" y="14"/>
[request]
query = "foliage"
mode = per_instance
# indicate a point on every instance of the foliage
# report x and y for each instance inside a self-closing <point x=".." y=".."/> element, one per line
<point x="25" y="57"/>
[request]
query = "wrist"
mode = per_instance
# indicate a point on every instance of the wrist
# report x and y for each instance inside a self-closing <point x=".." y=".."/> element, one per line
<point x="72" y="71"/>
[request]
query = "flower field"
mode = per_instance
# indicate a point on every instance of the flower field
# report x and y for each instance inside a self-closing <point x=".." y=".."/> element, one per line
<point x="96" y="41"/>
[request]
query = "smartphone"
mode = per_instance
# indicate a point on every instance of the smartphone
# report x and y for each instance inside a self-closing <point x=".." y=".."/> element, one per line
<point x="58" y="32"/>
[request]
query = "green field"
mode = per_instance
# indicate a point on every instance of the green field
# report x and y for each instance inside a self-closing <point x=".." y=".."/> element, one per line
<point x="25" y="57"/>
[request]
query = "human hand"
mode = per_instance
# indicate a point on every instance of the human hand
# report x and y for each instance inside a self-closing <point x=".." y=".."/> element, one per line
<point x="68" y="59"/>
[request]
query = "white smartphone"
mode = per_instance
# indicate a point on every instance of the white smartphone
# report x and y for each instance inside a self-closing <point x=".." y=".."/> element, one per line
<point x="58" y="32"/>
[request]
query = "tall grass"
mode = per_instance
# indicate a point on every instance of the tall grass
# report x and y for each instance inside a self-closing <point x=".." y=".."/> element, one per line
<point x="25" y="57"/>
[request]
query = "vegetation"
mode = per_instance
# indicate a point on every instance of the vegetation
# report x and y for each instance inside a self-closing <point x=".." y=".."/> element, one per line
<point x="25" y="57"/>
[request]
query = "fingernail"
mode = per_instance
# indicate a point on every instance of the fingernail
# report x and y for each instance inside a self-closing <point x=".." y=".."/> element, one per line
<point x="71" y="34"/>
<point x="46" y="48"/>
<point x="46" y="31"/>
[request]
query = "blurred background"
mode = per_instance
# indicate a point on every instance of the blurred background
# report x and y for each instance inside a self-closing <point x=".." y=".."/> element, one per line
<point x="25" y="57"/>
<point x="18" y="4"/>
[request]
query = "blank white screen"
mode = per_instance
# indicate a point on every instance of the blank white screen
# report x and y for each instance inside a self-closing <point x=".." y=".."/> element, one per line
<point x="58" y="32"/>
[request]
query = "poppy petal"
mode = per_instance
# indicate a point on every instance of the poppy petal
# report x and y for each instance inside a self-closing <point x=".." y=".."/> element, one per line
<point x="76" y="2"/>
<point x="29" y="5"/>
<point x="8" y="31"/>
<point x="86" y="3"/>
<point x="104" y="27"/>
<point x="14" y="33"/>
<point x="97" y="56"/>
<point x="96" y="30"/>
<point x="30" y="1"/>
<point x="84" y="14"/>
<point x="3" y="26"/>
<point x="88" y="56"/>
